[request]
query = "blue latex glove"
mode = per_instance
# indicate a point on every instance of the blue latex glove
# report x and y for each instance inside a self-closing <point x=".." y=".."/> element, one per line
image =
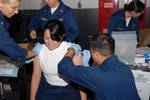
<point x="86" y="57"/>
<point x="37" y="48"/>
<point x="76" y="48"/>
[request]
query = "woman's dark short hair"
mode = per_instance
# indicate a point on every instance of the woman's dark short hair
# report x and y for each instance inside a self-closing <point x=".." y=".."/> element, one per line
<point x="103" y="43"/>
<point x="56" y="29"/>
<point x="135" y="5"/>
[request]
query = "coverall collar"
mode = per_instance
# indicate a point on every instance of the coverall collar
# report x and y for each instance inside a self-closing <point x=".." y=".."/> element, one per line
<point x="3" y="21"/>
<point x="109" y="60"/>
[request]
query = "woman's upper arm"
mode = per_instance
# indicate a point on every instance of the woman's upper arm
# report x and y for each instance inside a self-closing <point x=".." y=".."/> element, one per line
<point x="36" y="67"/>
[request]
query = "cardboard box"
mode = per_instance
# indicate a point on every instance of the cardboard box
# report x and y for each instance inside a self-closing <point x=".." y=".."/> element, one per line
<point x="144" y="36"/>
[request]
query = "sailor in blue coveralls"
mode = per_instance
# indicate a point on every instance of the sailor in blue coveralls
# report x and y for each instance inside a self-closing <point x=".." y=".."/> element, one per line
<point x="7" y="45"/>
<point x="127" y="19"/>
<point x="109" y="80"/>
<point x="55" y="9"/>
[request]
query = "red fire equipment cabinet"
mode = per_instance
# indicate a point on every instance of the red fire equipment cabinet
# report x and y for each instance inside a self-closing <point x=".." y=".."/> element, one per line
<point x="106" y="8"/>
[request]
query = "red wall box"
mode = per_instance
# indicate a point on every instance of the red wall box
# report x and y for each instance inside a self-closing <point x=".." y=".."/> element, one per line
<point x="106" y="8"/>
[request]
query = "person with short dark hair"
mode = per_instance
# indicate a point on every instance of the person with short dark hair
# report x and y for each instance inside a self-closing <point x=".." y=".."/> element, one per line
<point x="127" y="19"/>
<point x="8" y="46"/>
<point x="46" y="83"/>
<point x="54" y="9"/>
<point x="110" y="79"/>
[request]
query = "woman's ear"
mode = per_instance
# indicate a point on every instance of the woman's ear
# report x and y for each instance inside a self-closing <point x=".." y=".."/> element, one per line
<point x="96" y="54"/>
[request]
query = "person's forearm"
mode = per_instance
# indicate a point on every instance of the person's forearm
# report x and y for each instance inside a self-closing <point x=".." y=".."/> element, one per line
<point x="34" y="87"/>
<point x="82" y="94"/>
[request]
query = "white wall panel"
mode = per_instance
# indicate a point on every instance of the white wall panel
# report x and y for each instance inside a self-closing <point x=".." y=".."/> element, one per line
<point x="31" y="4"/>
<point x="37" y="4"/>
<point x="148" y="3"/>
<point x="84" y="3"/>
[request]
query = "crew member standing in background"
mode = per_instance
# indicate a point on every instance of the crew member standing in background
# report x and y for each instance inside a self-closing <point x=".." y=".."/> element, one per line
<point x="54" y="9"/>
<point x="127" y="19"/>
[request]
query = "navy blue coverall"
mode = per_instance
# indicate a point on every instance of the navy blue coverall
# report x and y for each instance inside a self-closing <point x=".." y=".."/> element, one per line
<point x="50" y="92"/>
<point x="7" y="45"/>
<point x="63" y="13"/>
<point x="117" y="22"/>
<point x="112" y="80"/>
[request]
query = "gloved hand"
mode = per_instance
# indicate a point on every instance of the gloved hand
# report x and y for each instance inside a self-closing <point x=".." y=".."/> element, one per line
<point x="37" y="48"/>
<point x="76" y="48"/>
<point x="86" y="57"/>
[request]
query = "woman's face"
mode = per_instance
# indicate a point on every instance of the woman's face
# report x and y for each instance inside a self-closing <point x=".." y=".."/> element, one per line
<point x="11" y="8"/>
<point x="52" y="3"/>
<point x="134" y="14"/>
<point x="51" y="44"/>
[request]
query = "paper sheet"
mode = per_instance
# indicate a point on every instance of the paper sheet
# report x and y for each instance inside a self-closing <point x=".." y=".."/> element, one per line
<point x="8" y="69"/>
